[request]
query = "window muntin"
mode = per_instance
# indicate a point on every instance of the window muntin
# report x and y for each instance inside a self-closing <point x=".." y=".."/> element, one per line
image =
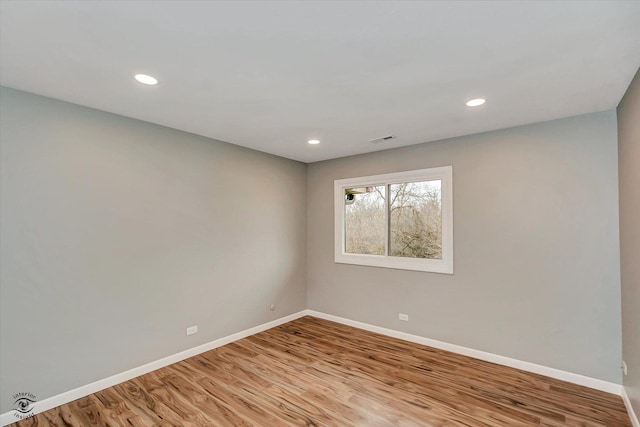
<point x="400" y="220"/>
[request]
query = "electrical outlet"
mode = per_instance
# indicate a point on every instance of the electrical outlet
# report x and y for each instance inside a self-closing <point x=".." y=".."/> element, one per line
<point x="192" y="330"/>
<point x="403" y="317"/>
<point x="624" y="368"/>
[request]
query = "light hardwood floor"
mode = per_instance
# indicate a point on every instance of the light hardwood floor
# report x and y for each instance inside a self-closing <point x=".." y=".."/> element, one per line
<point x="318" y="373"/>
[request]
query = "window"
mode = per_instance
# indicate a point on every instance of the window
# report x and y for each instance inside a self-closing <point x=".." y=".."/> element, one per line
<point x="399" y="220"/>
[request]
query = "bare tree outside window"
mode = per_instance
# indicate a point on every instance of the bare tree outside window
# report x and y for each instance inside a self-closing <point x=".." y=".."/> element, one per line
<point x="365" y="220"/>
<point x="415" y="220"/>
<point x="415" y="226"/>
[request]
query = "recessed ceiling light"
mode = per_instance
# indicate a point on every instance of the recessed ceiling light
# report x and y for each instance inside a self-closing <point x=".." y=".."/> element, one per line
<point x="476" y="102"/>
<point x="146" y="79"/>
<point x="314" y="142"/>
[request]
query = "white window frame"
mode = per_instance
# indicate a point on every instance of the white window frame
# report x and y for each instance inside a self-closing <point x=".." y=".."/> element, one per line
<point x="444" y="265"/>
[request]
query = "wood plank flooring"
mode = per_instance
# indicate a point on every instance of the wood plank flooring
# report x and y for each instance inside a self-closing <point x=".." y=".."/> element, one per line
<point x="313" y="372"/>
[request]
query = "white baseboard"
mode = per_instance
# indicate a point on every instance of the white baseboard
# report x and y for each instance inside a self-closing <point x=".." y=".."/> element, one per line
<point x="71" y="395"/>
<point x="632" y="414"/>
<point x="478" y="354"/>
<point x="77" y="393"/>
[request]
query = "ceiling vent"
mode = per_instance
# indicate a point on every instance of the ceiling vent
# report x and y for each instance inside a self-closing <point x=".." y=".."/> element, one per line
<point x="382" y="139"/>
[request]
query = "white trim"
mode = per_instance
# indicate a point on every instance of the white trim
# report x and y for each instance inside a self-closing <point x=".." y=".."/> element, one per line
<point x="444" y="265"/>
<point x="632" y="414"/>
<point x="82" y="391"/>
<point x="478" y="354"/>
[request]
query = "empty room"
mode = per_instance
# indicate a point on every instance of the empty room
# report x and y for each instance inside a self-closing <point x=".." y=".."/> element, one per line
<point x="319" y="213"/>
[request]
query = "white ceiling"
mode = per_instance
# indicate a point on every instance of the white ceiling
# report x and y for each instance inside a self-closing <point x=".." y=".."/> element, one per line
<point x="271" y="75"/>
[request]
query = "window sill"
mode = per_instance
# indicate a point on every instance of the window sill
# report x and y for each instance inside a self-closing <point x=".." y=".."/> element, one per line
<point x="383" y="261"/>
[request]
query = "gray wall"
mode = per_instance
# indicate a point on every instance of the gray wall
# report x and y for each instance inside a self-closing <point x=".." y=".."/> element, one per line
<point x="119" y="234"/>
<point x="629" y="162"/>
<point x="537" y="274"/>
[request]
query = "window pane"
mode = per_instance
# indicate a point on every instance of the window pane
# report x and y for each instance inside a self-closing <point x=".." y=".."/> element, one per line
<point x="415" y="227"/>
<point x="364" y="217"/>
